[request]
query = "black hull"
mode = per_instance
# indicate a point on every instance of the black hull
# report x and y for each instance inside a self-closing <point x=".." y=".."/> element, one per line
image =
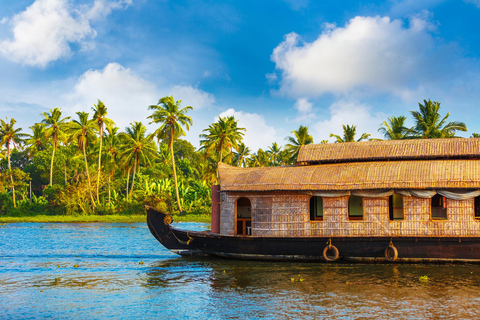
<point x="363" y="249"/>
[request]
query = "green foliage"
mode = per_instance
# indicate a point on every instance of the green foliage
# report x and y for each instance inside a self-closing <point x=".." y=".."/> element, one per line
<point x="223" y="135"/>
<point x="301" y="137"/>
<point x="53" y="194"/>
<point x="6" y="203"/>
<point x="395" y="128"/>
<point x="349" y="133"/>
<point x="429" y="123"/>
<point x="34" y="206"/>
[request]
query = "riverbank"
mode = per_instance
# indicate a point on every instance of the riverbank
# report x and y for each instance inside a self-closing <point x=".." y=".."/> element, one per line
<point x="98" y="218"/>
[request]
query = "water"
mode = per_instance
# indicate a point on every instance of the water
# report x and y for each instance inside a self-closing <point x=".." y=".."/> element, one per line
<point x="103" y="271"/>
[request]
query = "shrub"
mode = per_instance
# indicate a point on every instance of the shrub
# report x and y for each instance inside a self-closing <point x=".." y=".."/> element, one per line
<point x="6" y="203"/>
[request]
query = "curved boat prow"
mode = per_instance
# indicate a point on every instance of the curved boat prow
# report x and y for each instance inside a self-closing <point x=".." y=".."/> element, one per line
<point x="177" y="241"/>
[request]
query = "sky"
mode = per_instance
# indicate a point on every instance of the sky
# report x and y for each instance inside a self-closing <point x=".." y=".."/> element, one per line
<point x="274" y="65"/>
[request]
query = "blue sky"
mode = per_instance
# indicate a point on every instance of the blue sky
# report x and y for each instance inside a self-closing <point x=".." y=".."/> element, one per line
<point x="274" y="65"/>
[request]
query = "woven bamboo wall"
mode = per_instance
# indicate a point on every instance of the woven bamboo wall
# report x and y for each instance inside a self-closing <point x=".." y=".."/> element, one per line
<point x="282" y="214"/>
<point x="273" y="214"/>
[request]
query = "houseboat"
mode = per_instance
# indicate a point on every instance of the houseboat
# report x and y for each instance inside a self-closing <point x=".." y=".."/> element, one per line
<point x="378" y="201"/>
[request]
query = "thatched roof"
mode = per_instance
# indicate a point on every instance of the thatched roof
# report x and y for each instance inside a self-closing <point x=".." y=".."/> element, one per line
<point x="388" y="150"/>
<point x="420" y="174"/>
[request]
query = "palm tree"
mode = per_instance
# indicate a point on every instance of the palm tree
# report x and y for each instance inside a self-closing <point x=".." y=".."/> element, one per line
<point x="36" y="141"/>
<point x="112" y="147"/>
<point x="301" y="137"/>
<point x="172" y="118"/>
<point x="11" y="138"/>
<point x="135" y="148"/>
<point x="223" y="134"/>
<point x="82" y="131"/>
<point x="56" y="130"/>
<point x="100" y="119"/>
<point x="274" y="151"/>
<point x="207" y="169"/>
<point x="260" y="159"/>
<point x="430" y="124"/>
<point x="241" y="155"/>
<point x="349" y="133"/>
<point x="284" y="158"/>
<point x="395" y="128"/>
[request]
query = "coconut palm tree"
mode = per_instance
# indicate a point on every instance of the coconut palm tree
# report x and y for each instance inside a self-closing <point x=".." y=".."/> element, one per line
<point x="222" y="135"/>
<point x="100" y="119"/>
<point x="395" y="128"/>
<point x="36" y="141"/>
<point x="168" y="113"/>
<point x="11" y="138"/>
<point x="274" y="151"/>
<point x="429" y="123"/>
<point x="82" y="130"/>
<point x="301" y="137"/>
<point x="112" y="147"/>
<point x="136" y="148"/>
<point x="349" y="133"/>
<point x="260" y="159"/>
<point x="55" y="130"/>
<point x="241" y="155"/>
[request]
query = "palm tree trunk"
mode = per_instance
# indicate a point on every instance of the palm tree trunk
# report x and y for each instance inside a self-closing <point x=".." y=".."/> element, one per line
<point x="128" y="179"/>
<point x="175" y="179"/>
<point x="110" y="178"/>
<point x="220" y="160"/>
<point x="51" y="163"/>
<point x="134" y="171"/>
<point x="88" y="174"/>
<point x="11" y="178"/>
<point x="99" y="163"/>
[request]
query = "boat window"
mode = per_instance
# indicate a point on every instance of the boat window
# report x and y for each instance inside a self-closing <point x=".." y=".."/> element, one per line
<point x="355" y="208"/>
<point x="395" y="203"/>
<point x="244" y="216"/>
<point x="477" y="207"/>
<point x="439" y="207"/>
<point x="316" y="208"/>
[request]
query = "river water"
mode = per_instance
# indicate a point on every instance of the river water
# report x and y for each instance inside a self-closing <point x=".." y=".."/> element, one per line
<point x="104" y="271"/>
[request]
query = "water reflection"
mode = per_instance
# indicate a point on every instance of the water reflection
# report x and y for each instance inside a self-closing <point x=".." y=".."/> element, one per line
<point x="266" y="289"/>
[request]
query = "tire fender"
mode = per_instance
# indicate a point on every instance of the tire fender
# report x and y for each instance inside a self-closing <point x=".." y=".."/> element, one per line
<point x="330" y="253"/>
<point x="391" y="253"/>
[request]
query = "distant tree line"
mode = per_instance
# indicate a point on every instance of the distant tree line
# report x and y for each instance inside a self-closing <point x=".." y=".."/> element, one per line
<point x="86" y="165"/>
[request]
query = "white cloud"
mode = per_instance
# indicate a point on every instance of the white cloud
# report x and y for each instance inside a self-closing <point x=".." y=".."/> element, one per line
<point x="192" y="96"/>
<point x="303" y="106"/>
<point x="46" y="29"/>
<point x="475" y="2"/>
<point x="258" y="134"/>
<point x="370" y="54"/>
<point x="127" y="97"/>
<point x="305" y="110"/>
<point x="125" y="94"/>
<point x="102" y="8"/>
<point x="351" y="113"/>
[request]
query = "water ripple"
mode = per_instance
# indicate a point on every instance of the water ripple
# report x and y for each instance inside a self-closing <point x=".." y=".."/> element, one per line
<point x="120" y="271"/>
